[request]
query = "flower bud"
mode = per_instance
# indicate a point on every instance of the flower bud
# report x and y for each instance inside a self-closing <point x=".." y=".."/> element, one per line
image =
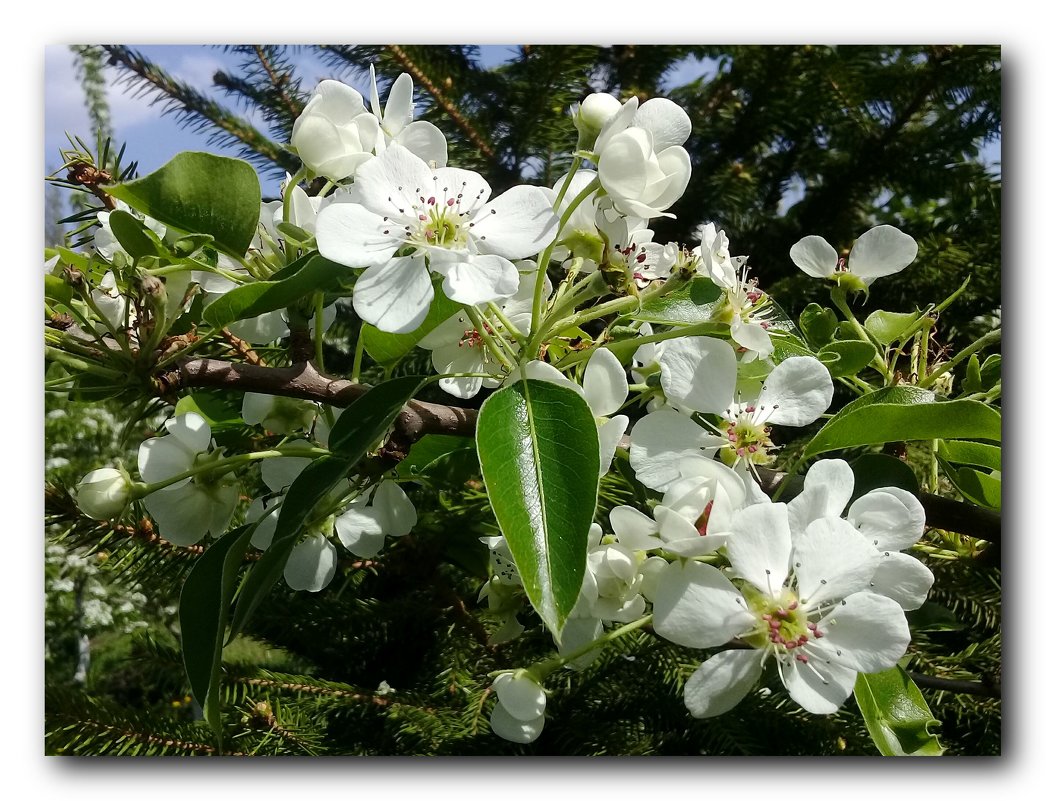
<point x="595" y="110"/>
<point x="102" y="494"/>
<point x="335" y="134"/>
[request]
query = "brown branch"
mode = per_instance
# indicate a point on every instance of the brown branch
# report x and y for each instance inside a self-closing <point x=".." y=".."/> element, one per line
<point x="306" y="382"/>
<point x="988" y="690"/>
<point x="242" y="348"/>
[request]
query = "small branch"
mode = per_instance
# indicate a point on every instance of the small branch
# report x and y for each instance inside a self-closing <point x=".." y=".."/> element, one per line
<point x="956" y="685"/>
<point x="242" y="348"/>
<point x="306" y="382"/>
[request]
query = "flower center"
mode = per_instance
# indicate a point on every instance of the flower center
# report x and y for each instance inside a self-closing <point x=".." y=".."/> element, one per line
<point x="781" y="624"/>
<point x="747" y="438"/>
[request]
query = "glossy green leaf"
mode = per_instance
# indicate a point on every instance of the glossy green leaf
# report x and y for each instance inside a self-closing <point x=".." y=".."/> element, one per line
<point x="387" y="349"/>
<point x="363" y="423"/>
<point x="887" y="327"/>
<point x="433" y="453"/>
<point x="788" y="345"/>
<point x="876" y="470"/>
<point x="696" y="303"/>
<point x="897" y="717"/>
<point x="539" y="453"/>
<point x="203" y="610"/>
<point x="220" y="409"/>
<point x="132" y="234"/>
<point x="905" y="414"/>
<point x="308" y="274"/>
<point x="818" y="324"/>
<point x="200" y="193"/>
<point x="978" y="454"/>
<point x="980" y="488"/>
<point x="846" y="357"/>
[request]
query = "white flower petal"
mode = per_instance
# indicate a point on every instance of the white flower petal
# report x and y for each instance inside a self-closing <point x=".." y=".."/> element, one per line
<point x="399" y="108"/>
<point x="609" y="433"/>
<point x="869" y="630"/>
<point x="883" y="250"/>
<point x="633" y="529"/>
<point x="800" y="388"/>
<point x="826" y="491"/>
<point x="891" y="518"/>
<point x="311" y="565"/>
<point x="752" y="336"/>
<point x="663" y="445"/>
<point x="397" y="514"/>
<point x="722" y="682"/>
<point x="389" y="185"/>
<point x="279" y="473"/>
<point x="516" y="224"/>
<point x="699" y="373"/>
<point x="161" y="458"/>
<point x="394" y="297"/>
<point x="605" y="383"/>
<point x="512" y="729"/>
<point x="814" y="256"/>
<point x="904" y="579"/>
<point x="425" y="141"/>
<point x="354" y="236"/>
<point x="191" y="430"/>
<point x="542" y="371"/>
<point x="832" y="560"/>
<point x="261" y="330"/>
<point x="822" y="692"/>
<point x="695" y="605"/>
<point x="760" y="546"/>
<point x="667" y="122"/>
<point x="479" y="279"/>
<point x="521" y="696"/>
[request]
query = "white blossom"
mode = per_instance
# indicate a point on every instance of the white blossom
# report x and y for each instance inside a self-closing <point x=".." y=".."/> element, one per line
<point x="882" y="250"/>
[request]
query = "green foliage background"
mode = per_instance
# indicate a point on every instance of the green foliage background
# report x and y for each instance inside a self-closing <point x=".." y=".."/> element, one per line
<point x="392" y="658"/>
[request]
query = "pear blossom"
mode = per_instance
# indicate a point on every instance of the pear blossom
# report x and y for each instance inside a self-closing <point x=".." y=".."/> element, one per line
<point x="642" y="164"/>
<point x="277" y="414"/>
<point x="519" y="714"/>
<point x="113" y="305"/>
<point x="191" y="508"/>
<point x="803" y="604"/>
<point x="380" y="512"/>
<point x="604" y="387"/>
<point x="313" y="560"/>
<point x="700" y="376"/>
<point x="104" y="493"/>
<point x="503" y="591"/>
<point x="447" y="216"/>
<point x="421" y="138"/>
<point x="892" y="519"/>
<point x="745" y="307"/>
<point x="457" y="346"/>
<point x="879" y="251"/>
<point x="592" y="114"/>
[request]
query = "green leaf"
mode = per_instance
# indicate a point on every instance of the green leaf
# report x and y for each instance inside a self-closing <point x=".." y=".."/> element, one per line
<point x="972" y="382"/>
<point x="846" y="357"/>
<point x="896" y="714"/>
<point x="991" y="372"/>
<point x="933" y="616"/>
<point x="905" y="414"/>
<point x="433" y="454"/>
<point x="818" y="324"/>
<point x="876" y="470"/>
<point x="363" y="423"/>
<point x="202" y="194"/>
<point x="387" y="349"/>
<point x="979" y="454"/>
<point x="308" y="274"/>
<point x="686" y="306"/>
<point x="539" y="453"/>
<point x="57" y="289"/>
<point x="887" y="327"/>
<point x="788" y="345"/>
<point x="219" y="409"/>
<point x="203" y="610"/>
<point x="367" y="418"/>
<point x="976" y="487"/>
<point x="132" y="234"/>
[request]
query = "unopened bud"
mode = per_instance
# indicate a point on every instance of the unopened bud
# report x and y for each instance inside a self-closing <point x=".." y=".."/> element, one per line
<point x="592" y="115"/>
<point x="102" y="494"/>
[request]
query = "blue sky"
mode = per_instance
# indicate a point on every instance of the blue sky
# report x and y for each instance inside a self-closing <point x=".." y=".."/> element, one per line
<point x="154" y="138"/>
